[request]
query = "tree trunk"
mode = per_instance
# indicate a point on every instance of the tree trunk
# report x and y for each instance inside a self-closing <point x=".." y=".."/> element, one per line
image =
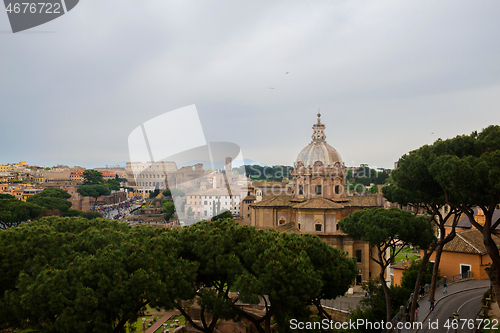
<point x="388" y="305"/>
<point x="435" y="271"/>
<point x="491" y="247"/>
<point x="492" y="271"/>
<point x="421" y="270"/>
<point x="268" y="324"/>
<point x="323" y="314"/>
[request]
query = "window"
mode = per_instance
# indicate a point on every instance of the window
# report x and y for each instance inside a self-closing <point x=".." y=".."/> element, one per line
<point x="299" y="226"/>
<point x="318" y="227"/>
<point x="205" y="202"/>
<point x="358" y="255"/>
<point x="337" y="189"/>
<point x="318" y="189"/>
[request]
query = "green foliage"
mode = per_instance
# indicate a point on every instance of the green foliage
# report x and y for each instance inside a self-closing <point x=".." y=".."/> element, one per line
<point x="375" y="301"/>
<point x="462" y="172"/>
<point x="274" y="173"/>
<point x="50" y="203"/>
<point x="177" y="192"/>
<point x="79" y="213"/>
<point x="52" y="199"/>
<point x="113" y="184"/>
<point x="121" y="180"/>
<point x="6" y="196"/>
<point x="383" y="226"/>
<point x="292" y="271"/>
<point x="174" y="192"/>
<point x="373" y="307"/>
<point x="366" y="176"/>
<point x="373" y="189"/>
<point x="92" y="177"/>
<point x="72" y="213"/>
<point x="169" y="209"/>
<point x="14" y="212"/>
<point x="224" y="215"/>
<point x="375" y="304"/>
<point x="410" y="276"/>
<point x="91" y="215"/>
<point x="94" y="191"/>
<point x="406" y="253"/>
<point x="154" y="194"/>
<point x="94" y="275"/>
<point x="190" y="212"/>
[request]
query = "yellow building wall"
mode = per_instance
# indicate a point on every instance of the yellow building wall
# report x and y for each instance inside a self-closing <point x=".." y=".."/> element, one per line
<point x="451" y="261"/>
<point x="398" y="275"/>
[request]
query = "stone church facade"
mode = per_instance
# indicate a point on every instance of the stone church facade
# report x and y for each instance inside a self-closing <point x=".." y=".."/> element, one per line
<point x="314" y="201"/>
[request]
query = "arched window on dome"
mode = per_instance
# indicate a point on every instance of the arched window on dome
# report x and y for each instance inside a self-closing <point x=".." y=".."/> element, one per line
<point x="282" y="220"/>
<point x="301" y="190"/>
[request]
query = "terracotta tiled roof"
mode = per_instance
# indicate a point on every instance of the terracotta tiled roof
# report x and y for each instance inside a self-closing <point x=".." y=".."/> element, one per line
<point x="363" y="201"/>
<point x="469" y="241"/>
<point x="318" y="203"/>
<point x="275" y="201"/>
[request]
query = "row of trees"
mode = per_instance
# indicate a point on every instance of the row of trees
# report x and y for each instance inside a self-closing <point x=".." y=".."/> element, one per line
<point x="73" y="274"/>
<point x="373" y="308"/>
<point x="274" y="173"/>
<point x="388" y="230"/>
<point x="95" y="186"/>
<point x="461" y="173"/>
<point x="51" y="201"/>
<point x="365" y="175"/>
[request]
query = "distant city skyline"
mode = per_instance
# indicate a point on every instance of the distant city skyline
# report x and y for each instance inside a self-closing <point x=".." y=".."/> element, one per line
<point x="388" y="77"/>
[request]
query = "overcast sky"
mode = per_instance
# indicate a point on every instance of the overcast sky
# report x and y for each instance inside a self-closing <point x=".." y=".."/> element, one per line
<point x="388" y="76"/>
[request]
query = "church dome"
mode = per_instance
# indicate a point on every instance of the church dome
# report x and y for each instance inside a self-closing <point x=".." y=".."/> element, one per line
<point x="318" y="149"/>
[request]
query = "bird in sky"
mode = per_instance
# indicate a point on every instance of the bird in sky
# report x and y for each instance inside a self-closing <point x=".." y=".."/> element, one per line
<point x="271" y="88"/>
<point x="287" y="72"/>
